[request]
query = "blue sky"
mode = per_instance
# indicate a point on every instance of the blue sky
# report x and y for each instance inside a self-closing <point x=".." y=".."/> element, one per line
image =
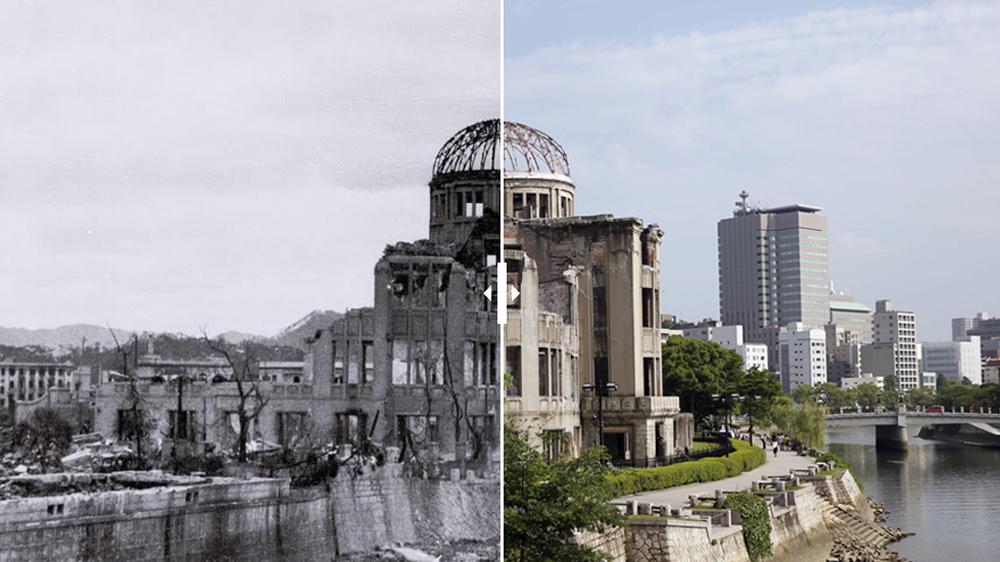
<point x="886" y="115"/>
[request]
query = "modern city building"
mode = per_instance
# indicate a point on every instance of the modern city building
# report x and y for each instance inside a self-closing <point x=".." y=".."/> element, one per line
<point x="958" y="361"/>
<point x="960" y="327"/>
<point x="849" y="329"/>
<point x="991" y="371"/>
<point x="893" y="351"/>
<point x="802" y="356"/>
<point x="848" y="383"/>
<point x="731" y="337"/>
<point x="583" y="336"/>
<point x="773" y="270"/>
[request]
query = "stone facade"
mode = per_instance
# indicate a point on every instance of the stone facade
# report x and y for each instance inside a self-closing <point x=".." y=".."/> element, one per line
<point x="590" y="298"/>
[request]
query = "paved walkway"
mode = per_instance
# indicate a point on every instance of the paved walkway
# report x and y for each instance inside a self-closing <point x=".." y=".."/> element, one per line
<point x="678" y="495"/>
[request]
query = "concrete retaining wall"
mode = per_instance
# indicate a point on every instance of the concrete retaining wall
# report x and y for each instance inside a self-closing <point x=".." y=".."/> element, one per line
<point x="383" y="507"/>
<point x="251" y="520"/>
<point x="658" y="540"/>
<point x="259" y="519"/>
<point x="611" y="542"/>
<point x="800" y="528"/>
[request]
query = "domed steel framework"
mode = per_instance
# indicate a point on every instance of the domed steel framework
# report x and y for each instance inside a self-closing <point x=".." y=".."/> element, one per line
<point x="472" y="149"/>
<point x="526" y="149"/>
<point x="529" y="150"/>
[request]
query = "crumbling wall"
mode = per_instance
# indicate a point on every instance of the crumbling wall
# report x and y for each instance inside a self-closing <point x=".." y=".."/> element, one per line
<point x="382" y="506"/>
<point x="258" y="519"/>
<point x="231" y="520"/>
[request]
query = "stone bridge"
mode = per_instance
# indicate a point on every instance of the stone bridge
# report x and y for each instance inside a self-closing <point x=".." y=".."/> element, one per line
<point x="891" y="426"/>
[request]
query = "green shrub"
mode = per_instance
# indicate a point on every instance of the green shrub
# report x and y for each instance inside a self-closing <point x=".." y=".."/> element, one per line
<point x="840" y="462"/>
<point x="636" y="480"/>
<point x="756" y="523"/>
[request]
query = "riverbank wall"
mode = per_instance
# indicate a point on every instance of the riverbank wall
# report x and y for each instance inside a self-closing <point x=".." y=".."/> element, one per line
<point x="246" y="519"/>
<point x="799" y="505"/>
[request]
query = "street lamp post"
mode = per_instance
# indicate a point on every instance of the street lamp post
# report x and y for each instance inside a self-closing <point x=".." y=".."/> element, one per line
<point x="601" y="392"/>
<point x="753" y="400"/>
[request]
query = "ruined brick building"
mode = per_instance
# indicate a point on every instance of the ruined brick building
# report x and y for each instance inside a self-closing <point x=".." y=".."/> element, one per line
<point x="582" y="337"/>
<point x="417" y="370"/>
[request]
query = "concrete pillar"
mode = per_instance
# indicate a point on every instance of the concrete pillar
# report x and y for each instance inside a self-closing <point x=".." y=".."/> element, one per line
<point x="890" y="438"/>
<point x="632" y="507"/>
<point x="645" y="508"/>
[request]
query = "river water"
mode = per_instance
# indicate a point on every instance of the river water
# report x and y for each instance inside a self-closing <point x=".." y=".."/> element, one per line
<point x="947" y="494"/>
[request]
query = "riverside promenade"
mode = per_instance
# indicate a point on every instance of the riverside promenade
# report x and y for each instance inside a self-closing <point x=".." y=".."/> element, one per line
<point x="678" y="495"/>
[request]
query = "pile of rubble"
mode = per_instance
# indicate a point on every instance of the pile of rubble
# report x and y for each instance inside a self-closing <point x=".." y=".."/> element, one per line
<point x="91" y="453"/>
<point x="61" y="483"/>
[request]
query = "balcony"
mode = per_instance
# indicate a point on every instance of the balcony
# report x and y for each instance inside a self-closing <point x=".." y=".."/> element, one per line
<point x="634" y="405"/>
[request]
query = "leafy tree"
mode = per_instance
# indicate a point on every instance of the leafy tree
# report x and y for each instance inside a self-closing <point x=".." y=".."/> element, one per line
<point x="920" y="397"/>
<point x="694" y="370"/>
<point x="805" y="423"/>
<point x="759" y="388"/>
<point x="804" y="394"/>
<point x="868" y="395"/>
<point x="45" y="436"/>
<point x="545" y="502"/>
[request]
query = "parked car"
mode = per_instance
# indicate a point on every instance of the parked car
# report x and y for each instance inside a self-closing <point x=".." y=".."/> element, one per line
<point x="935" y="409"/>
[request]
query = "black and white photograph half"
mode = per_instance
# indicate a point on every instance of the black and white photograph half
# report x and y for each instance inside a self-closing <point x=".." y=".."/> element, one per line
<point x="248" y="263"/>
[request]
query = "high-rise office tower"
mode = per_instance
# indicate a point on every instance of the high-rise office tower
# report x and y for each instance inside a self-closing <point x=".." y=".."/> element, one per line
<point x="773" y="270"/>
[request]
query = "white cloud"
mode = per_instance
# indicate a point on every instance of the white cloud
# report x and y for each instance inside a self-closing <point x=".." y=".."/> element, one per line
<point x="885" y="117"/>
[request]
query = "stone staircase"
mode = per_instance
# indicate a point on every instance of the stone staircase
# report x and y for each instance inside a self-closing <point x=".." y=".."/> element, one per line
<point x="855" y="538"/>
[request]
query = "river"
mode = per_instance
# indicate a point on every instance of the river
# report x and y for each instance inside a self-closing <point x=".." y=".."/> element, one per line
<point x="947" y="494"/>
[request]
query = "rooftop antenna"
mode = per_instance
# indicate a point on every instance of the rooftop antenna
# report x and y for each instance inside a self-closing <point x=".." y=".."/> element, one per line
<point x="741" y="206"/>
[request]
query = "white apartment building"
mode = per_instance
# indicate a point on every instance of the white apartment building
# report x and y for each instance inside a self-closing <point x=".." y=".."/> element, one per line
<point x="731" y="337"/>
<point x="956" y="360"/>
<point x="893" y="351"/>
<point x="754" y="355"/>
<point x="802" y="356"/>
<point x="848" y="383"/>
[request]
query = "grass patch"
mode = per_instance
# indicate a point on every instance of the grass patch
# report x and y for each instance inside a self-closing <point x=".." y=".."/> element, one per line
<point x="635" y="480"/>
<point x="700" y="445"/>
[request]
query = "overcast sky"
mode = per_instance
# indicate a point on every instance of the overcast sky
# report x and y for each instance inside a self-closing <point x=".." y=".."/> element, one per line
<point x="234" y="165"/>
<point x="887" y="116"/>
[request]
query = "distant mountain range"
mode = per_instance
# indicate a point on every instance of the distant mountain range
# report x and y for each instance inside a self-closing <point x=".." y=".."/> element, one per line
<point x="67" y="337"/>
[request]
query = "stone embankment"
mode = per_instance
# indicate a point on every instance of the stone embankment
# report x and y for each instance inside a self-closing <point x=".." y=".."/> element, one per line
<point x="856" y="523"/>
<point x="152" y="516"/>
<point x="816" y="515"/>
<point x="857" y="539"/>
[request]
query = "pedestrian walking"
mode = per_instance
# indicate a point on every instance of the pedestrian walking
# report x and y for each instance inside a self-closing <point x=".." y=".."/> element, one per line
<point x="774" y="447"/>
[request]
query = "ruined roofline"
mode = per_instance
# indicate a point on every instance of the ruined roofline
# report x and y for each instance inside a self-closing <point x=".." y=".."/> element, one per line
<point x="421" y="248"/>
<point x="579" y="220"/>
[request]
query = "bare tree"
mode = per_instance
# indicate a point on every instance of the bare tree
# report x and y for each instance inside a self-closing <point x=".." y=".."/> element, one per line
<point x="251" y="402"/>
<point x="135" y="423"/>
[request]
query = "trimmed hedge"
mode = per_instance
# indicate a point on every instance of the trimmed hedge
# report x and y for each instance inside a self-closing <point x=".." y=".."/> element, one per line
<point x="636" y="480"/>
